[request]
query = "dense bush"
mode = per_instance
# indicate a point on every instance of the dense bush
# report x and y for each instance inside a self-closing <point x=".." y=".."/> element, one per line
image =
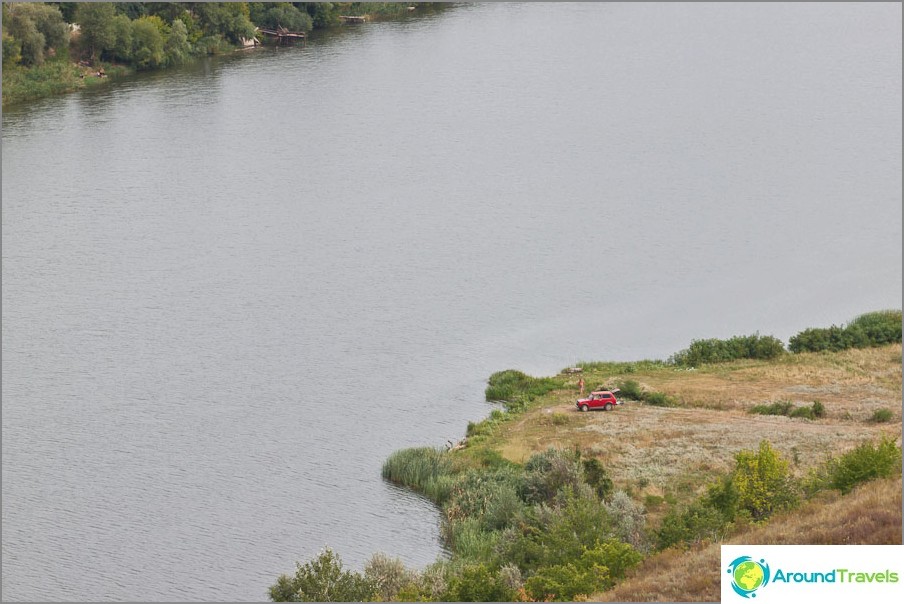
<point x="388" y="576"/>
<point x="630" y="389"/>
<point x="787" y="408"/>
<point x="739" y="347"/>
<point x="699" y="521"/>
<point x="478" y="583"/>
<point x="31" y="31"/>
<point x="322" y="580"/>
<point x="634" y="391"/>
<point x="596" y="476"/>
<point x="866" y="462"/>
<point x="870" y="329"/>
<point x="595" y="570"/>
<point x="546" y="473"/>
<point x="881" y="416"/>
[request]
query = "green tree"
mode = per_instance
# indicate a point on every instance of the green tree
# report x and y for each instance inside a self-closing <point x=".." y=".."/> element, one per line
<point x="147" y="43"/>
<point x="38" y="28"/>
<point x="322" y="580"/>
<point x="122" y="36"/>
<point x="177" y="47"/>
<point x="96" y="22"/>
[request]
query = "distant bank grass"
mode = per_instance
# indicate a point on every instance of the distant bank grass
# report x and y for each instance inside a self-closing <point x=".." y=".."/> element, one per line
<point x="56" y="76"/>
<point x="422" y="469"/>
<point x="516" y="389"/>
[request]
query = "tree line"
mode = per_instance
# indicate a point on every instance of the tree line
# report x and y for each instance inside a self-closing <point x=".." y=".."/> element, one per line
<point x="150" y="35"/>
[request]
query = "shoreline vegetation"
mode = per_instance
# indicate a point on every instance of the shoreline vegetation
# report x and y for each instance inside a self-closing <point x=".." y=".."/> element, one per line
<point x="53" y="48"/>
<point x="728" y="441"/>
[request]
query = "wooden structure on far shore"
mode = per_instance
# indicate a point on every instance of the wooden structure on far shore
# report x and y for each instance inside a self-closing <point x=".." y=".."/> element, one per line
<point x="353" y="18"/>
<point x="283" y="36"/>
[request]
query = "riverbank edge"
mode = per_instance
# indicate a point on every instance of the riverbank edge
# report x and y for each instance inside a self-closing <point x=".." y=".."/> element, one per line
<point x="479" y="448"/>
<point x="60" y="76"/>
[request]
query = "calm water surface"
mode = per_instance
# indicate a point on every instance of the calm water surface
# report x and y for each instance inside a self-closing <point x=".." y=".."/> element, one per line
<point x="230" y="291"/>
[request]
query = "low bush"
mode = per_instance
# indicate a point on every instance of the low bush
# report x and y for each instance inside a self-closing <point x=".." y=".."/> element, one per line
<point x="659" y="399"/>
<point x="866" y="462"/>
<point x="787" y="408"/>
<point x="881" y="416"/>
<point x="695" y="523"/>
<point x="631" y="390"/>
<point x="776" y="408"/>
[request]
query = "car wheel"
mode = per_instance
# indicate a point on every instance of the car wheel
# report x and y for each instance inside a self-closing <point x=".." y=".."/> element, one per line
<point x="584" y="408"/>
<point x="608" y="406"/>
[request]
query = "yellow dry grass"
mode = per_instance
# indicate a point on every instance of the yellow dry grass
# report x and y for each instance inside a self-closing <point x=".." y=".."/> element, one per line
<point x="869" y="515"/>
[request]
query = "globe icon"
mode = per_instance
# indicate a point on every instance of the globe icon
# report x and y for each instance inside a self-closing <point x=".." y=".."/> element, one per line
<point x="748" y="575"/>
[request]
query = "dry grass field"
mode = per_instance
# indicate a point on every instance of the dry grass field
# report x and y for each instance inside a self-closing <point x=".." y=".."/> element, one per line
<point x="676" y="450"/>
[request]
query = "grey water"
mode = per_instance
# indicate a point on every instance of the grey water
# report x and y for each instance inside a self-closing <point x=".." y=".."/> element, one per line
<point x="231" y="290"/>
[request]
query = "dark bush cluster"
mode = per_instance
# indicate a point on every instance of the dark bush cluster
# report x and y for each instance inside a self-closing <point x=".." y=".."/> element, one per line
<point x="738" y="347"/>
<point x="815" y="411"/>
<point x="871" y="329"/>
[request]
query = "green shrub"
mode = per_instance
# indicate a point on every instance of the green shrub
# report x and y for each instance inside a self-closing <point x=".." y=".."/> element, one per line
<point x="548" y="472"/>
<point x="659" y="399"/>
<point x="866" y="462"/>
<point x="547" y="535"/>
<point x="881" y="416"/>
<point x="776" y="408"/>
<point x="322" y="580"/>
<point x="693" y="524"/>
<point x="804" y="412"/>
<point x="880" y="327"/>
<point x="870" y="329"/>
<point x="631" y="390"/>
<point x="628" y="519"/>
<point x="787" y="408"/>
<point x="489" y="497"/>
<point x="739" y="347"/>
<point x="388" y="576"/>
<point x="595" y="570"/>
<point x="763" y="482"/>
<point x="478" y="583"/>
<point x="596" y="477"/>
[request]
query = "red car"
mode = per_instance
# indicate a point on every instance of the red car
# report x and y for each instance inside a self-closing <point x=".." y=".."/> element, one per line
<point x="601" y="399"/>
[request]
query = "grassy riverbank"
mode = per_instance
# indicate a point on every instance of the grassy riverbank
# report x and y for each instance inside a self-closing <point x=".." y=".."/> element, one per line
<point x="55" y="76"/>
<point x="541" y="501"/>
<point x="48" y="48"/>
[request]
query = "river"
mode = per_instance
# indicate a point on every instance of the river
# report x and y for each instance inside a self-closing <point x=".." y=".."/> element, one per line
<point x="231" y="290"/>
